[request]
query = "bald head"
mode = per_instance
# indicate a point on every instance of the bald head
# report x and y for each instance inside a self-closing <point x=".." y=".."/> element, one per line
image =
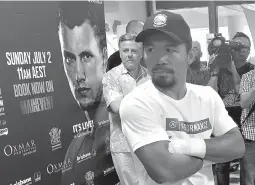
<point x="134" y="26"/>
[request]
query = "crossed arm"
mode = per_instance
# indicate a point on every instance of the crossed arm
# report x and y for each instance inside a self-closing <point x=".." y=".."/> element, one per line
<point x="151" y="144"/>
<point x="150" y="141"/>
<point x="226" y="147"/>
<point x="163" y="166"/>
<point x="227" y="144"/>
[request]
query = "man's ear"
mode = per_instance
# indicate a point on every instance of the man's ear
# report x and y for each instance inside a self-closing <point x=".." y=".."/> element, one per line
<point x="201" y="54"/>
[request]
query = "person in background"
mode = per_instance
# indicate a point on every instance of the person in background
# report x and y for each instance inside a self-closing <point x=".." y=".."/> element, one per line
<point x="197" y="72"/>
<point x="168" y="122"/>
<point x="135" y="27"/>
<point x="117" y="83"/>
<point x="226" y="81"/>
<point x="247" y="101"/>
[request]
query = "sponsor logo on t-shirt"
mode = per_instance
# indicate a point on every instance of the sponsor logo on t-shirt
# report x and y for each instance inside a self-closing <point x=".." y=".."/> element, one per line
<point x="173" y="124"/>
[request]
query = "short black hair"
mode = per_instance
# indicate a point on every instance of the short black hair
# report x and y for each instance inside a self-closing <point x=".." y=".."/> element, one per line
<point x="241" y="34"/>
<point x="75" y="13"/>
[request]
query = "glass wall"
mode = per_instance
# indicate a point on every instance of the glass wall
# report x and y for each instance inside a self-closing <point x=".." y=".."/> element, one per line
<point x="231" y="19"/>
<point x="198" y="20"/>
<point x="117" y="15"/>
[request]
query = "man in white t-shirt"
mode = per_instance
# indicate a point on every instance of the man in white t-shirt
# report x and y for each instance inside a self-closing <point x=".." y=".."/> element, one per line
<point x="168" y="122"/>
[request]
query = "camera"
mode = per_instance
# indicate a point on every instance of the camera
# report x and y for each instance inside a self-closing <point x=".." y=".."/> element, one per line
<point x="221" y="50"/>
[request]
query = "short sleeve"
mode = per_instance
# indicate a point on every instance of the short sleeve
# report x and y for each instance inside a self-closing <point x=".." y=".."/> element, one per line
<point x="222" y="121"/>
<point x="111" y="89"/>
<point x="246" y="83"/>
<point x="140" y="123"/>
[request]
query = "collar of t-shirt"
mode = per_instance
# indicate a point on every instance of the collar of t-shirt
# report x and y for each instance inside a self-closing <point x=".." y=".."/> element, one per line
<point x="180" y="101"/>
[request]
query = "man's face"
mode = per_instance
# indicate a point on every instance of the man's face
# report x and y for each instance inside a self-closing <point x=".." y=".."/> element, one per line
<point x="130" y="54"/>
<point x="242" y="55"/>
<point x="166" y="60"/>
<point x="197" y="50"/>
<point x="83" y="63"/>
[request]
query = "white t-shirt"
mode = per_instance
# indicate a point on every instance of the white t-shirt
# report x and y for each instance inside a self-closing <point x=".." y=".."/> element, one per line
<point x="151" y="116"/>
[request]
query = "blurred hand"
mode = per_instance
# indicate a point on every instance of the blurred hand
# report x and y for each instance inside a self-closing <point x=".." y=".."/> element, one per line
<point x="231" y="66"/>
<point x="215" y="68"/>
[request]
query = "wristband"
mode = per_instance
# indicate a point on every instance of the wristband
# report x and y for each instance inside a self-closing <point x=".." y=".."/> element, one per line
<point x="191" y="146"/>
<point x="197" y="147"/>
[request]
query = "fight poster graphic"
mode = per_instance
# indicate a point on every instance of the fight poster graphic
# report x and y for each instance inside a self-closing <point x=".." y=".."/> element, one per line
<point x="30" y="67"/>
<point x="54" y="125"/>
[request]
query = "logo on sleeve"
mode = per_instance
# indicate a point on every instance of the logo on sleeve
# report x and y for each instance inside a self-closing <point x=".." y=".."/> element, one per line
<point x="172" y="124"/>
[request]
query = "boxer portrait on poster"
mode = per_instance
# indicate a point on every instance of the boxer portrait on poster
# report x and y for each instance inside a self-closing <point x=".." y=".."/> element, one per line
<point x="84" y="53"/>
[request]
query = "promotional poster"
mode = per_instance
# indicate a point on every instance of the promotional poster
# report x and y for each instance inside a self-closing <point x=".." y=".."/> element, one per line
<point x="54" y="126"/>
